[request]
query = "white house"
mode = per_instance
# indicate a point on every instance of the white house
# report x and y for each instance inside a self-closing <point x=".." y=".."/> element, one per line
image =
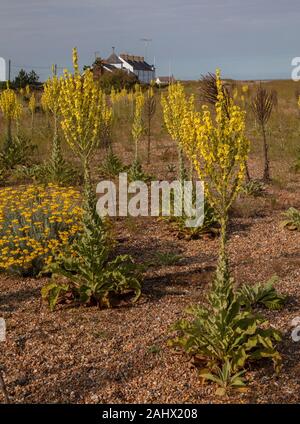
<point x="132" y="64"/>
<point x="165" y="80"/>
<point x="138" y="66"/>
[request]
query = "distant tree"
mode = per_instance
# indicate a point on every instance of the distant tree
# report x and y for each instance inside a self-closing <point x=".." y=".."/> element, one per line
<point x="23" y="78"/>
<point x="118" y="80"/>
<point x="33" y="77"/>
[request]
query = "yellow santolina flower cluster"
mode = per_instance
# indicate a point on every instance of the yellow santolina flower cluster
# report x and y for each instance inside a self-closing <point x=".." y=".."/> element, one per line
<point x="36" y="222"/>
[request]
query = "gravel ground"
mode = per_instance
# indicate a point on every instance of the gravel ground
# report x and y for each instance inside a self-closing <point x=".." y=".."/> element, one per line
<point x="84" y="355"/>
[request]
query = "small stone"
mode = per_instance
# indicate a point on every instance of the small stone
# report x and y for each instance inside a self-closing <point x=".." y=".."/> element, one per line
<point x="95" y="398"/>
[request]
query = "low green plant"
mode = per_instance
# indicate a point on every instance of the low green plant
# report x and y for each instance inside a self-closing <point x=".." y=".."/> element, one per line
<point x="60" y="173"/>
<point x="27" y="172"/>
<point x="167" y="258"/>
<point x="171" y="168"/>
<point x="227" y="330"/>
<point x="262" y="294"/>
<point x="36" y="222"/>
<point x="253" y="188"/>
<point x="154" y="349"/>
<point x="91" y="275"/>
<point x="3" y="175"/>
<point x="45" y="173"/>
<point x="210" y="224"/>
<point x="296" y="165"/>
<point x="18" y="152"/>
<point x="112" y="165"/>
<point x="225" y="379"/>
<point x="136" y="173"/>
<point x="292" y="219"/>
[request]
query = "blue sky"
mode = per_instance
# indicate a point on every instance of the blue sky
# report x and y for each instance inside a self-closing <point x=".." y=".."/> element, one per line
<point x="245" y="38"/>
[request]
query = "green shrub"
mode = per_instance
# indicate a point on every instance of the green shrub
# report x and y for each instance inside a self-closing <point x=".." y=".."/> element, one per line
<point x="118" y="80"/>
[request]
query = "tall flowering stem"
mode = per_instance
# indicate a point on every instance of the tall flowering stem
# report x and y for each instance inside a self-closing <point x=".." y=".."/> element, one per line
<point x="150" y="108"/>
<point x="11" y="109"/>
<point x="174" y="106"/>
<point x="32" y="106"/>
<point x="107" y="117"/>
<point x="82" y="106"/>
<point x="137" y="126"/>
<point x="219" y="152"/>
<point x="50" y="103"/>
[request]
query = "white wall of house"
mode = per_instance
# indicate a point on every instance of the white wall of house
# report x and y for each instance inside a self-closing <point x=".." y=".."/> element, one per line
<point x="126" y="65"/>
<point x="144" y="76"/>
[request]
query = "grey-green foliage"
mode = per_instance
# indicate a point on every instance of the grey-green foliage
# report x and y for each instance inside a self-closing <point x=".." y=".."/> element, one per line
<point x="226" y="329"/>
<point x="296" y="165"/>
<point x="167" y="258"/>
<point x="292" y="219"/>
<point x="210" y="224"/>
<point x="136" y="173"/>
<point x="112" y="165"/>
<point x="91" y="274"/>
<point x="46" y="173"/>
<point x="3" y="174"/>
<point x="18" y="152"/>
<point x="57" y="170"/>
<point x="225" y="378"/>
<point x="254" y="188"/>
<point x="262" y="294"/>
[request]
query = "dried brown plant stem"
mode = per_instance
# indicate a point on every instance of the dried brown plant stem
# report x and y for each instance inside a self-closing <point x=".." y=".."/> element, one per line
<point x="262" y="106"/>
<point x="150" y="108"/>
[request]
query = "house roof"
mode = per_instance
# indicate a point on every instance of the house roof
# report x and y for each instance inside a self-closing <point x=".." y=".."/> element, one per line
<point x="140" y="66"/>
<point x="137" y="62"/>
<point x="113" y="59"/>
